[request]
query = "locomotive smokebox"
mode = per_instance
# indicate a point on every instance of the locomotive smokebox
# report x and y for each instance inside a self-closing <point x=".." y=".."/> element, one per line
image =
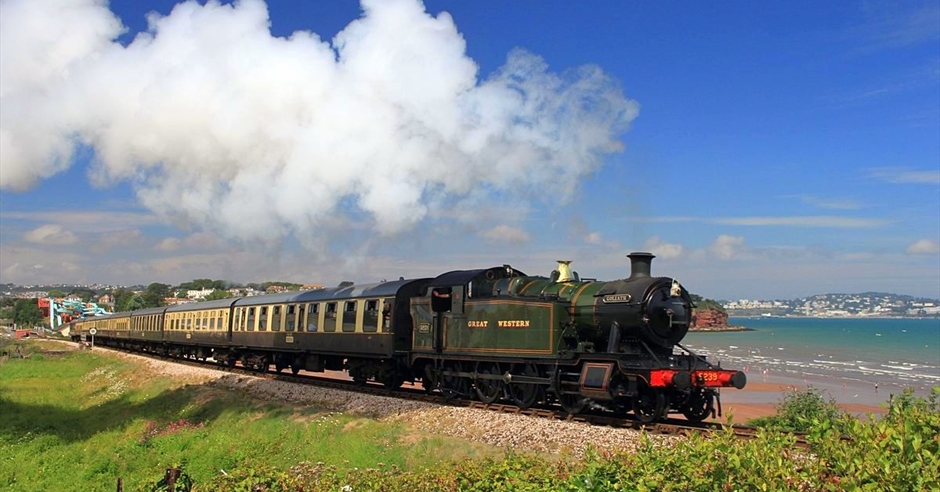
<point x="640" y="264"/>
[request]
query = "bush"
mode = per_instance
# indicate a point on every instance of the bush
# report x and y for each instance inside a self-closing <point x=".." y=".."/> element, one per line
<point x="801" y="411"/>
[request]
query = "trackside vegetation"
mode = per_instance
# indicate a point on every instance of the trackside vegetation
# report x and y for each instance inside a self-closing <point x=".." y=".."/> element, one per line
<point x="76" y="420"/>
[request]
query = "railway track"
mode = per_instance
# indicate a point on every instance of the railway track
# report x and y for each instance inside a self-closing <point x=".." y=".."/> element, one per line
<point x="677" y="427"/>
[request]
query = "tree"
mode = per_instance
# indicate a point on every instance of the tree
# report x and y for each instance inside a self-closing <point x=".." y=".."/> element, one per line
<point x="26" y="312"/>
<point x="218" y="294"/>
<point x="122" y="300"/>
<point x="56" y="293"/>
<point x="159" y="290"/>
<point x="84" y="293"/>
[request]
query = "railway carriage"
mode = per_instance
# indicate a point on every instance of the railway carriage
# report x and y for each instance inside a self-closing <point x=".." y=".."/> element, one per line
<point x="198" y="329"/>
<point x="364" y="329"/>
<point x="146" y="328"/>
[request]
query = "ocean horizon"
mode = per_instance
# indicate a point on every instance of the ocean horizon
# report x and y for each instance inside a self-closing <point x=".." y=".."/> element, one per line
<point x="863" y="359"/>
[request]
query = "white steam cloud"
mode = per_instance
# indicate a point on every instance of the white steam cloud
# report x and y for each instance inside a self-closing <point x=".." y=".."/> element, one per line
<point x="221" y="125"/>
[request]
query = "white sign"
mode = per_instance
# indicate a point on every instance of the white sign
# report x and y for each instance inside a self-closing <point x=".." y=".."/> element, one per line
<point x="93" y="331"/>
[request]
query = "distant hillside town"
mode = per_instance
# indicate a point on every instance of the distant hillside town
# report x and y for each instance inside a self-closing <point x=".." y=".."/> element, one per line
<point x="868" y="304"/>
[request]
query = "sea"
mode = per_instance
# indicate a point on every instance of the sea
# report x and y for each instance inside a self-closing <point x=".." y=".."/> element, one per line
<point x="860" y="359"/>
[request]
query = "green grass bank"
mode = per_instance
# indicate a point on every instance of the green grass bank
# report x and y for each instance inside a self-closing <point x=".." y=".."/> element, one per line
<point x="78" y="420"/>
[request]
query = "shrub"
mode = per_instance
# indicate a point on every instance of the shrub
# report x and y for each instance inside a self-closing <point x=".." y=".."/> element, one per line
<point x="801" y="411"/>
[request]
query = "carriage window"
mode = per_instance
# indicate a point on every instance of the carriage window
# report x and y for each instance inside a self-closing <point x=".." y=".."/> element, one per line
<point x="251" y="319"/>
<point x="291" y="317"/>
<point x="370" y="318"/>
<point x="263" y="319"/>
<point x="312" y="311"/>
<point x="276" y="318"/>
<point x="349" y="316"/>
<point x="330" y="317"/>
<point x="211" y="323"/>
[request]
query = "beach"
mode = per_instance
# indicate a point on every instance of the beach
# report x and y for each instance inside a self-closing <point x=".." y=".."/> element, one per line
<point x="859" y="363"/>
<point x="758" y="399"/>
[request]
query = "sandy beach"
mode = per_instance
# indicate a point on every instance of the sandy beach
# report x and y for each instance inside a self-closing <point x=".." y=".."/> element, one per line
<point x="764" y="391"/>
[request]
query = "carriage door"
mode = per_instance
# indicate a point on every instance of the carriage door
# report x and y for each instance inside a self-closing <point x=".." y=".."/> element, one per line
<point x="440" y="304"/>
<point x="447" y="304"/>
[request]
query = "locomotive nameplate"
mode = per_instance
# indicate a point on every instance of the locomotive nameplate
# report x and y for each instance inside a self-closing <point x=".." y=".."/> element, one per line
<point x="477" y="323"/>
<point x="615" y="298"/>
<point x="513" y="323"/>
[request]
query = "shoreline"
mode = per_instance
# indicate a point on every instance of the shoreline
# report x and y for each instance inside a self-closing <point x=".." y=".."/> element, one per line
<point x="719" y="329"/>
<point x="766" y="390"/>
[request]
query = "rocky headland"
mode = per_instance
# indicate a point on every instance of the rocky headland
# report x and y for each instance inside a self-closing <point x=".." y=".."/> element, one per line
<point x="712" y="319"/>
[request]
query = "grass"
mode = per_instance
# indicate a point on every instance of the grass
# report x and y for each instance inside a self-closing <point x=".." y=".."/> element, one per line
<point x="79" y="420"/>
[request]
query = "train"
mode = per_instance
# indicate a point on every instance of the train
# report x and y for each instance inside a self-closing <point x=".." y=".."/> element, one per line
<point x="492" y="334"/>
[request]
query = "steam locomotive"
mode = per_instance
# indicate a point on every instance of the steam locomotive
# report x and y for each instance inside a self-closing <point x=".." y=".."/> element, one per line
<point x="491" y="334"/>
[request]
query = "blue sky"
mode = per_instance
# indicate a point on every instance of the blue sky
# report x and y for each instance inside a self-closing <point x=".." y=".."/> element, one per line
<point x="760" y="150"/>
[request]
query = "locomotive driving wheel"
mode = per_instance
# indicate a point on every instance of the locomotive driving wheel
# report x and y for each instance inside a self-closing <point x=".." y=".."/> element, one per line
<point x="488" y="390"/>
<point x="573" y="403"/>
<point x="698" y="407"/>
<point x="453" y="385"/>
<point x="524" y="394"/>
<point x="649" y="405"/>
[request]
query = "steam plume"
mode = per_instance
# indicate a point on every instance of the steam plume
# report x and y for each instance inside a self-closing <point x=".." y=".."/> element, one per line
<point x="221" y="125"/>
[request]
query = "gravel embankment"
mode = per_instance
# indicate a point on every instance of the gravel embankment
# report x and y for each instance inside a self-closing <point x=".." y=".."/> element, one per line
<point x="505" y="430"/>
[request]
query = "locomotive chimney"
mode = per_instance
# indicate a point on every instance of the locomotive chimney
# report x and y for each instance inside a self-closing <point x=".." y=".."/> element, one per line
<point x="640" y="264"/>
<point x="564" y="271"/>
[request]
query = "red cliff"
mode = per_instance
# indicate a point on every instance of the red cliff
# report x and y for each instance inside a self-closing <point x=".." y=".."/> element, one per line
<point x="709" y="319"/>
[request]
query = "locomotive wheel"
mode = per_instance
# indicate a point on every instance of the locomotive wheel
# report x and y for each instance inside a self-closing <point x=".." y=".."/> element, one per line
<point x="648" y="406"/>
<point x="263" y="365"/>
<point x="455" y="385"/>
<point x="295" y="369"/>
<point x="488" y="390"/>
<point x="429" y="381"/>
<point x="392" y="379"/>
<point x="699" y="407"/>
<point x="525" y="394"/>
<point x="279" y="365"/>
<point x="573" y="404"/>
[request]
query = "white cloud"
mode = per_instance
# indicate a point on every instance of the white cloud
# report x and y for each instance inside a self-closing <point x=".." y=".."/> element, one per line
<point x="118" y="239"/>
<point x="169" y="244"/>
<point x="726" y="247"/>
<point x="898" y="175"/>
<point x="801" y="221"/>
<point x="759" y="221"/>
<point x="90" y="221"/>
<point x="50" y="234"/>
<point x="224" y="127"/>
<point x="504" y="233"/>
<point x="830" y="203"/>
<point x="663" y="249"/>
<point x="923" y="247"/>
